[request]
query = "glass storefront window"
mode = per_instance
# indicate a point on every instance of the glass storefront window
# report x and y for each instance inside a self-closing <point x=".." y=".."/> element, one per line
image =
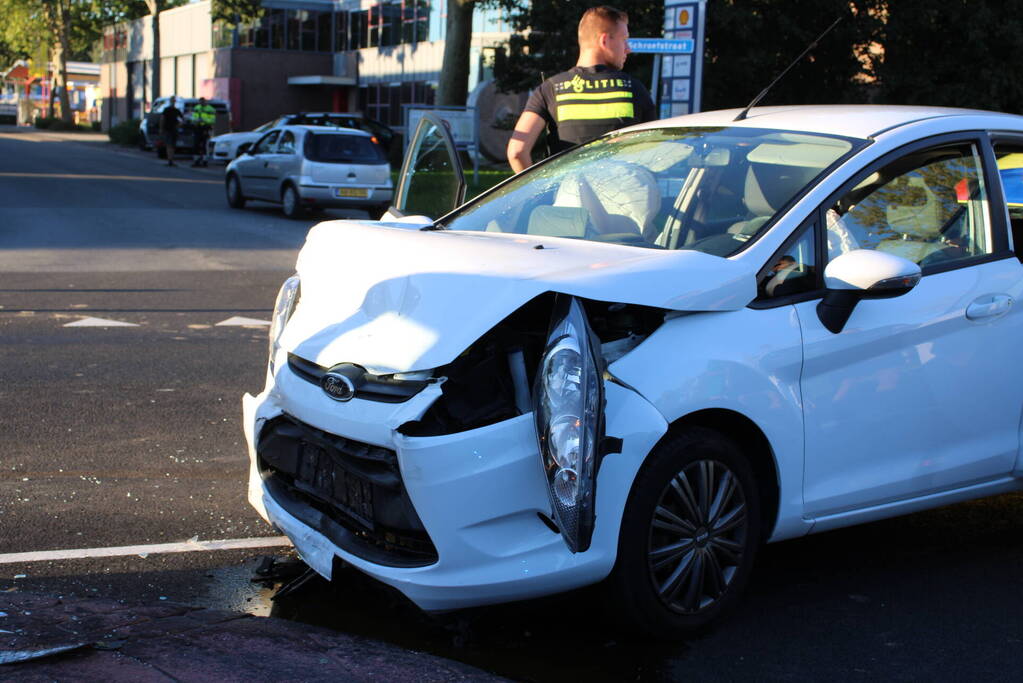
<point x="276" y="21"/>
<point x="360" y="30"/>
<point x="374" y="26"/>
<point x="341" y="32"/>
<point x="295" y="28"/>
<point x="223" y="33"/>
<point x="390" y="29"/>
<point x="324" y="30"/>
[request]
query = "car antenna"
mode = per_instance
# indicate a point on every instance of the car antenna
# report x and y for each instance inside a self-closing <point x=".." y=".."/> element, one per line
<point x="742" y="115"/>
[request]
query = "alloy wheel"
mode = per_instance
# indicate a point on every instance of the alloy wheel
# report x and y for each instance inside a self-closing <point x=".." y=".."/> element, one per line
<point x="697" y="536"/>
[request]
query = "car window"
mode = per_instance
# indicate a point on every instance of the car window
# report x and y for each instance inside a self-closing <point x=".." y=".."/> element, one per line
<point x="341" y="148"/>
<point x="266" y="126"/>
<point x="794" y="270"/>
<point x="930" y="207"/>
<point x="707" y="189"/>
<point x="287" y="145"/>
<point x="1010" y="169"/>
<point x="266" y="143"/>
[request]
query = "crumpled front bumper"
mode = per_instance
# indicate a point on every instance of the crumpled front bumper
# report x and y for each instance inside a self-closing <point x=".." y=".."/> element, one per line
<point x="478" y="494"/>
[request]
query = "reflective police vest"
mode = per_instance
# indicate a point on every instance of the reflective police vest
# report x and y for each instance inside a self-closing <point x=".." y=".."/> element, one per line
<point x="204" y="115"/>
<point x="586" y="102"/>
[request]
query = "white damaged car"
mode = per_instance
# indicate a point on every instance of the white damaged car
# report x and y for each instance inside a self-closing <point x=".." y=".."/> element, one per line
<point x="641" y="359"/>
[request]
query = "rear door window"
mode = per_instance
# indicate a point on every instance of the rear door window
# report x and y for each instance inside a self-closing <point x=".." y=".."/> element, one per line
<point x="334" y="148"/>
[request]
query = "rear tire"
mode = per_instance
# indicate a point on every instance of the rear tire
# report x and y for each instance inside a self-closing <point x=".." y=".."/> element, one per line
<point x="689" y="535"/>
<point x="291" y="202"/>
<point x="235" y="199"/>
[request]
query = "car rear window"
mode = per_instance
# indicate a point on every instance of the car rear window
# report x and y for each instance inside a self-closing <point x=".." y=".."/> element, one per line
<point x="335" y="148"/>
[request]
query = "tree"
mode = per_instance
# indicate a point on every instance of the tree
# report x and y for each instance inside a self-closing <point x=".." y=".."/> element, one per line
<point x="63" y="30"/>
<point x="750" y="42"/>
<point x="453" y="87"/>
<point x="545" y="43"/>
<point x="126" y="10"/>
<point x="956" y="53"/>
<point x="28" y="25"/>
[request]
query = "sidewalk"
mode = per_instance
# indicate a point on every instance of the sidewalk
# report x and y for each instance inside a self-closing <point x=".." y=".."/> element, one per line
<point x="44" y="638"/>
<point x="41" y="134"/>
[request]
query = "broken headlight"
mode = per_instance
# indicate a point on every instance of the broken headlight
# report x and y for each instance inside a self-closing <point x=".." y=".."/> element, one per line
<point x="568" y="407"/>
<point x="287" y="298"/>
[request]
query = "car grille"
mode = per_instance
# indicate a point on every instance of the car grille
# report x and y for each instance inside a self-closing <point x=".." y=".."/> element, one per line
<point x="350" y="491"/>
<point x="372" y="388"/>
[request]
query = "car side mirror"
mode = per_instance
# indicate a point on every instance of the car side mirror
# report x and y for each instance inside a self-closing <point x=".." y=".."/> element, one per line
<point x="862" y="274"/>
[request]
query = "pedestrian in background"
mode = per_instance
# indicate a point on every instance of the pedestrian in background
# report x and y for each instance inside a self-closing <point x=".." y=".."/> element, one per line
<point x="588" y="100"/>
<point x="203" y="117"/>
<point x="170" y="122"/>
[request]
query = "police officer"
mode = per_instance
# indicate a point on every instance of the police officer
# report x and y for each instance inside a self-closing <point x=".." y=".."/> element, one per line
<point x="170" y="121"/>
<point x="203" y="117"/>
<point x="592" y="98"/>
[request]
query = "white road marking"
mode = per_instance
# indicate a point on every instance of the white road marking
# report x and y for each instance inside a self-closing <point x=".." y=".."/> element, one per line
<point x="240" y="321"/>
<point x="99" y="322"/>
<point x="153" y="549"/>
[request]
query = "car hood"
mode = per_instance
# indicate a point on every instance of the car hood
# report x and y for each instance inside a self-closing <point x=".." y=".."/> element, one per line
<point x="393" y="298"/>
<point x="236" y="137"/>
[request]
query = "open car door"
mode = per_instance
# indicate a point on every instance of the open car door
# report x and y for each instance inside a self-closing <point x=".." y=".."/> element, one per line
<point x="431" y="182"/>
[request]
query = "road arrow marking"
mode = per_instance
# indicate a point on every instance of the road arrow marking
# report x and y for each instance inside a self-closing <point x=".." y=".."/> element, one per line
<point x="99" y="322"/>
<point x="239" y="321"/>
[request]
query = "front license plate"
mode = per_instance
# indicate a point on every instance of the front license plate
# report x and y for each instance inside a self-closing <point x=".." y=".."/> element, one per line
<point x="320" y="475"/>
<point x="360" y="192"/>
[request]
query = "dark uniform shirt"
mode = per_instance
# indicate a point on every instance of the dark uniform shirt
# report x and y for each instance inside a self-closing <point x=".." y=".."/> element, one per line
<point x="588" y="101"/>
<point x="170" y="119"/>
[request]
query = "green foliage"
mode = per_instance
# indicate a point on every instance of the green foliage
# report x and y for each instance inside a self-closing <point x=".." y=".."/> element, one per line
<point x="8" y="54"/>
<point x="55" y="123"/>
<point x="545" y="42"/>
<point x="750" y="42"/>
<point x="125" y="133"/>
<point x="245" y="10"/>
<point x="955" y="53"/>
<point x="959" y="53"/>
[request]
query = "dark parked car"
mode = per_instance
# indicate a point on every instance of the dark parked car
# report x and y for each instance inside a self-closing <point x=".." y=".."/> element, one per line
<point x="149" y="128"/>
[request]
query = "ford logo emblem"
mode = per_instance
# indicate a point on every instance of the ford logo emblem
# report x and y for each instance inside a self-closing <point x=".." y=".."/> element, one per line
<point x="338" y="387"/>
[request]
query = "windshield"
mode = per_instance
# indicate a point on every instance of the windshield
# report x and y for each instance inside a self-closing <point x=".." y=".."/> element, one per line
<point x="708" y="189"/>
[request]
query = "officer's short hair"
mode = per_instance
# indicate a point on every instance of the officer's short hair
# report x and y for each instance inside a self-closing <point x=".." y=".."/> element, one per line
<point x="600" y="19"/>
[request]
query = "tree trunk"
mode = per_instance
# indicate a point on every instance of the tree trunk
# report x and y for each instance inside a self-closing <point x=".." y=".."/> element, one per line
<point x="51" y="76"/>
<point x="63" y="45"/>
<point x="453" y="88"/>
<point x="154" y="81"/>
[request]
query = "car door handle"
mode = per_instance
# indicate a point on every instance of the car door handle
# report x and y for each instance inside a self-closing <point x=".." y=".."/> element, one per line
<point x="989" y="306"/>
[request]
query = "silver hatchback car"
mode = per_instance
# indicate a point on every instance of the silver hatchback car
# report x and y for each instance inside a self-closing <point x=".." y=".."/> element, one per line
<point x="301" y="167"/>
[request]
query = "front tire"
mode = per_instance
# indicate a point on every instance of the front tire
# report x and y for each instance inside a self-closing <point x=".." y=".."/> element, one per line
<point x="690" y="531"/>
<point x="291" y="203"/>
<point x="235" y="199"/>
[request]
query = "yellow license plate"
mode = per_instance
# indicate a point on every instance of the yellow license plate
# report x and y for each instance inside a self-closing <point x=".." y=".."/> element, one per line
<point x="360" y="192"/>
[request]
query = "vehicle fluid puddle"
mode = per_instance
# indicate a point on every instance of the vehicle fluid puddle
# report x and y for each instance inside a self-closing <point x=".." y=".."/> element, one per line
<point x="550" y="639"/>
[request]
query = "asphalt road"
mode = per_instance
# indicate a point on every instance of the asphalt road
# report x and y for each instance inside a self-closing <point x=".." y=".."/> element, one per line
<point x="123" y="435"/>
